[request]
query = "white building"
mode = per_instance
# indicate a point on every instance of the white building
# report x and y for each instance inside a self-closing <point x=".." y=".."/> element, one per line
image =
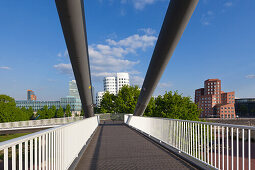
<point x="99" y="97"/>
<point x="110" y="85"/>
<point x="113" y="85"/>
<point x="121" y="80"/>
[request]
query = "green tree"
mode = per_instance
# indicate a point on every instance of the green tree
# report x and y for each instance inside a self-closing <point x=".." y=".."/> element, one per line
<point x="108" y="103"/>
<point x="52" y="111"/>
<point x="68" y="111"/>
<point x="82" y="112"/>
<point x="126" y="99"/>
<point x="8" y="110"/>
<point x="30" y="112"/>
<point x="174" y="105"/>
<point x="60" y="112"/>
<point x="45" y="112"/>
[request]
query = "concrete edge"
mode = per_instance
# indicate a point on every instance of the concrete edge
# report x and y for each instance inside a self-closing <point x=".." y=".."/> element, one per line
<point x="192" y="160"/>
<point x="78" y="158"/>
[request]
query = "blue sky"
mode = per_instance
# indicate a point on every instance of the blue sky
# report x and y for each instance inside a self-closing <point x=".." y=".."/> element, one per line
<point x="219" y="42"/>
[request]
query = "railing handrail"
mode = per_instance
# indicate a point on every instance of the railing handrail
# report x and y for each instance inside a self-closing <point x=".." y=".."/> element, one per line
<point x="206" y="123"/>
<point x="18" y="140"/>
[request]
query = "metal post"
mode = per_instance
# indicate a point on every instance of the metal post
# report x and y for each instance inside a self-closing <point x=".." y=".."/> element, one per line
<point x="72" y="18"/>
<point x="177" y="17"/>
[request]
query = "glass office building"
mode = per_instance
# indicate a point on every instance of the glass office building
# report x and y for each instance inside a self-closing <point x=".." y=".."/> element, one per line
<point x="245" y="107"/>
<point x="37" y="105"/>
<point x="74" y="102"/>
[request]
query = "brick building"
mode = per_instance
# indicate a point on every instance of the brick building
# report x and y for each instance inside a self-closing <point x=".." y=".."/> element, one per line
<point x="213" y="102"/>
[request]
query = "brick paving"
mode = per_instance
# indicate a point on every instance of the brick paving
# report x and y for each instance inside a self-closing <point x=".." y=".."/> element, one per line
<point x="116" y="146"/>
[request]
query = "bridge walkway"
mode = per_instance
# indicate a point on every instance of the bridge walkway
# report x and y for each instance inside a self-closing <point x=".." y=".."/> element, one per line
<point x="116" y="146"/>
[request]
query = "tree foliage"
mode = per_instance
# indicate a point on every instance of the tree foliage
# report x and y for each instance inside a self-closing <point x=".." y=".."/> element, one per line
<point x="10" y="113"/>
<point x="68" y="111"/>
<point x="170" y="105"/>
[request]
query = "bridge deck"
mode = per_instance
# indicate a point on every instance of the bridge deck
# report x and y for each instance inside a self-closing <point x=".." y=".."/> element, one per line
<point x="116" y="146"/>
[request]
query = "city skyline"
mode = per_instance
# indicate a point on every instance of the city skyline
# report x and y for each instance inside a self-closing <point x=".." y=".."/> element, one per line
<point x="219" y="31"/>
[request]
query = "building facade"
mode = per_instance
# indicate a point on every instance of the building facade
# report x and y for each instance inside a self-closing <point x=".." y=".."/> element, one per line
<point x="113" y="85"/>
<point x="245" y="107"/>
<point x="110" y="85"/>
<point x="73" y="90"/>
<point x="213" y="102"/>
<point x="31" y="95"/>
<point x="99" y="98"/>
<point x="37" y="105"/>
<point x="122" y="79"/>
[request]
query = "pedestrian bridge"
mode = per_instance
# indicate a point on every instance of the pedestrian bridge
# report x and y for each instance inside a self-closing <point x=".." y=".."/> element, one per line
<point x="136" y="143"/>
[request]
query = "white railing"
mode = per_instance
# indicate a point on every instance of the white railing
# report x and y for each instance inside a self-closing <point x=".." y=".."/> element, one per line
<point x="220" y="146"/>
<point x="54" y="148"/>
<point x="35" y="123"/>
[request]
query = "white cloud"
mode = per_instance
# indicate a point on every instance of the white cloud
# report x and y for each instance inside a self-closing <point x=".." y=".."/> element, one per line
<point x="228" y="4"/>
<point x="113" y="56"/>
<point x="64" y="68"/>
<point x="134" y="42"/>
<point x="251" y="76"/>
<point x="136" y="80"/>
<point x="140" y="4"/>
<point x="207" y="18"/>
<point x="5" y="68"/>
<point x="148" y="31"/>
<point x="165" y="85"/>
<point x="59" y="54"/>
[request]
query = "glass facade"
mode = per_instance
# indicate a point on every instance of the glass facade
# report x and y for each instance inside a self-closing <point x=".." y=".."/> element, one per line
<point x="245" y="107"/>
<point x="37" y="105"/>
<point x="75" y="103"/>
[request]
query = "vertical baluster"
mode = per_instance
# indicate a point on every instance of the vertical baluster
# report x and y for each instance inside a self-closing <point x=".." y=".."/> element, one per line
<point x="204" y="144"/>
<point x="20" y="156"/>
<point x="178" y="132"/>
<point x="192" y="139"/>
<point x="31" y="154"/>
<point x="198" y="141"/>
<point x="35" y="153"/>
<point x="43" y="152"/>
<point x="201" y="130"/>
<point x="232" y="150"/>
<point x="211" y="147"/>
<point x="181" y="136"/>
<point x="40" y="153"/>
<point x="174" y="135"/>
<point x="55" y="159"/>
<point x="215" y="159"/>
<point x="249" y="149"/>
<point x="208" y="154"/>
<point x="243" y="147"/>
<point x="227" y="149"/>
<point x="46" y="151"/>
<point x="189" y="138"/>
<point x="14" y="157"/>
<point x="237" y="145"/>
<point x="6" y="159"/>
<point x="52" y="162"/>
<point x="223" y="147"/>
<point x="219" y="147"/>
<point x="26" y="155"/>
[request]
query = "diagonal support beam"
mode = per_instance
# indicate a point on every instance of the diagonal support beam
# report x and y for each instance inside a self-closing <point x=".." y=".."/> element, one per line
<point x="177" y="17"/>
<point x="72" y="18"/>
